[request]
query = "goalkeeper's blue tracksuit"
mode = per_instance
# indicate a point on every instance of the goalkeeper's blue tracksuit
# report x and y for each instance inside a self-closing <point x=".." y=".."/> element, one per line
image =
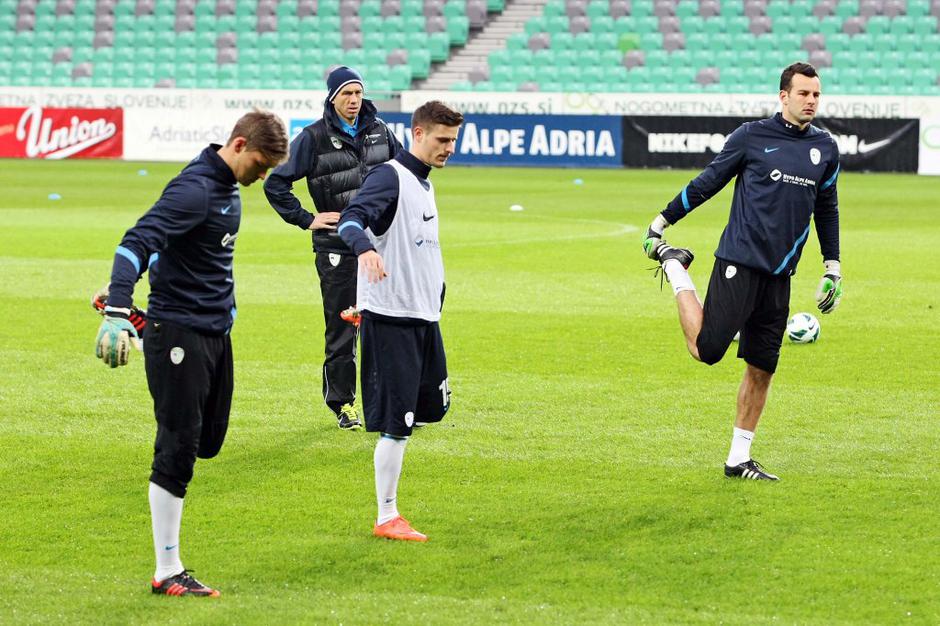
<point x="186" y="241"/>
<point x="785" y="176"/>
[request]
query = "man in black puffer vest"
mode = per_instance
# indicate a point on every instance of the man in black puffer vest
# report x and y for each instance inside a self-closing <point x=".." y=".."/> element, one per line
<point x="334" y="154"/>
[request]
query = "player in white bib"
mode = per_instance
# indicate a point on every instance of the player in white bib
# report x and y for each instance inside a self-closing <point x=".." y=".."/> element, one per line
<point x="392" y="226"/>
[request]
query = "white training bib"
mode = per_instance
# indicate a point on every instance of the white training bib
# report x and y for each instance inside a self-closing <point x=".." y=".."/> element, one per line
<point x="411" y="251"/>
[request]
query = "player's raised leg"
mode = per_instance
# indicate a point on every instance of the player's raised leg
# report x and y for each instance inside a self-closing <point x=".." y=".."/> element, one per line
<point x="675" y="264"/>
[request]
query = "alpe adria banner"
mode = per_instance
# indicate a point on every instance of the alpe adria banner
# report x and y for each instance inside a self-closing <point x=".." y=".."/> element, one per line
<point x="522" y="140"/>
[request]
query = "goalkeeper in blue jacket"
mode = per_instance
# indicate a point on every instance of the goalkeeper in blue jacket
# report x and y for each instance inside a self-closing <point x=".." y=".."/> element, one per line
<point x="186" y="244"/>
<point x="786" y="171"/>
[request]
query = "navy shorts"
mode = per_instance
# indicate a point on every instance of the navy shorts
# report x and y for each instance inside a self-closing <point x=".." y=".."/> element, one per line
<point x="190" y="379"/>
<point x="746" y="300"/>
<point x="404" y="375"/>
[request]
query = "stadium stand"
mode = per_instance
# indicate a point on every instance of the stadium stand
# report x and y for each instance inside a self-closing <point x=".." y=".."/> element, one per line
<point x="243" y="44"/>
<point x="682" y="46"/>
<point x="875" y="47"/>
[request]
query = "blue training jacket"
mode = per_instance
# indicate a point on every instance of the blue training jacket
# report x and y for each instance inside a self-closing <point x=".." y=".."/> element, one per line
<point x="785" y="176"/>
<point x="187" y="242"/>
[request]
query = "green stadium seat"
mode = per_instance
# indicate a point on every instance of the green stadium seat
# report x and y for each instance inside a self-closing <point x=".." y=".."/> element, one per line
<point x="554" y="8"/>
<point x="598" y="9"/>
<point x="877" y="25"/>
<point x="439" y="46"/>
<point x="396" y="40"/>
<point x="458" y="29"/>
<point x="535" y="25"/>
<point x="419" y="61"/>
<point x="370" y="8"/>
<point x="455" y="8"/>
<point x="687" y="8"/>
<point x="415" y="25"/>
<point x="400" y="77"/>
<point x="847" y="8"/>
<point x="602" y="24"/>
<point x="412" y="7"/>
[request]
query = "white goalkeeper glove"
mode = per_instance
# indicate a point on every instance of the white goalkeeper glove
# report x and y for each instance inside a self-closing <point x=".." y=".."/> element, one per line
<point x="654" y="236"/>
<point x="115" y="337"/>
<point x="829" y="292"/>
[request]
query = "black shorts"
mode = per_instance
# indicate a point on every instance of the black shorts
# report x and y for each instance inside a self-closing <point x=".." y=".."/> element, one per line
<point x="190" y="380"/>
<point x="404" y="375"/>
<point x="754" y="303"/>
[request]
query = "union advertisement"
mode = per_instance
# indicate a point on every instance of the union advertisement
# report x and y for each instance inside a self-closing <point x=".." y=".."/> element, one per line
<point x="36" y="132"/>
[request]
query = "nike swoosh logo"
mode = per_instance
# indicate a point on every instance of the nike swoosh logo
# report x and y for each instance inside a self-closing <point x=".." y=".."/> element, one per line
<point x="427" y="218"/>
<point x="769" y="150"/>
<point x="226" y="209"/>
<point x="865" y="148"/>
<point x="168" y="548"/>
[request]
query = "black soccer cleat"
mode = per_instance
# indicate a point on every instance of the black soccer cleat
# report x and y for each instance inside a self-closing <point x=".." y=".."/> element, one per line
<point x="750" y="470"/>
<point x="664" y="252"/>
<point x="183" y="585"/>
<point x="348" y="418"/>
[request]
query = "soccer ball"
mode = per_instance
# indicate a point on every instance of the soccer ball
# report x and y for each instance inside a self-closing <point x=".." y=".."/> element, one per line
<point x="803" y="328"/>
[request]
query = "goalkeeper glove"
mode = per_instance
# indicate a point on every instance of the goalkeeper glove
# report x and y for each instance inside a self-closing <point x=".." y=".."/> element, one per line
<point x="829" y="292"/>
<point x="113" y="345"/>
<point x="137" y="317"/>
<point x="654" y="236"/>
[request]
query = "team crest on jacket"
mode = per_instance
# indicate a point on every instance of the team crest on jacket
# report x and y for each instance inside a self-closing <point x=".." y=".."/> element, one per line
<point x="815" y="156"/>
<point x="730" y="271"/>
<point x="336" y="142"/>
<point x="177" y="355"/>
<point x="334" y="259"/>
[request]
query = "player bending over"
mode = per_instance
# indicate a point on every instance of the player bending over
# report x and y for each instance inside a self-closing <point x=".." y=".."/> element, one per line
<point x="186" y="243"/>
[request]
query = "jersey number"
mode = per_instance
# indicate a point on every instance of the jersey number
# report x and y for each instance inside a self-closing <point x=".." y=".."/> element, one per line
<point x="445" y="393"/>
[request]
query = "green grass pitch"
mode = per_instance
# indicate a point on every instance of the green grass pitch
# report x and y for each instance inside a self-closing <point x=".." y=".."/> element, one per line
<point x="577" y="479"/>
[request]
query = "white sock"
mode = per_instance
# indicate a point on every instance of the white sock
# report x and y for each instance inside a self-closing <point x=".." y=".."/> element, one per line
<point x="740" y="447"/>
<point x="678" y="276"/>
<point x="389" y="453"/>
<point x="166" y="513"/>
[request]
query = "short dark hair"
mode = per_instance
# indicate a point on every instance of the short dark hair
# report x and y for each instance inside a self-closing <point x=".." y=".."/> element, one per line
<point x="435" y="112"/>
<point x="786" y="79"/>
<point x="263" y="131"/>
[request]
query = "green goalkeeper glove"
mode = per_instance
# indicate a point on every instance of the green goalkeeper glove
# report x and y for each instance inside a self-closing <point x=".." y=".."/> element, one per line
<point x="829" y="292"/>
<point x="115" y="337"/>
<point x="654" y="236"/>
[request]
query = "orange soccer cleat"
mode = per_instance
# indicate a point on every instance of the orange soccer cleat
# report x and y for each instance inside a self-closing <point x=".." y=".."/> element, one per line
<point x="398" y="528"/>
<point x="351" y="315"/>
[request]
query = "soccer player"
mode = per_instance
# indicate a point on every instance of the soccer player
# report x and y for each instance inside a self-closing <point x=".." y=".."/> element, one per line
<point x="333" y="155"/>
<point x="186" y="242"/>
<point x="392" y="227"/>
<point x="786" y="171"/>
